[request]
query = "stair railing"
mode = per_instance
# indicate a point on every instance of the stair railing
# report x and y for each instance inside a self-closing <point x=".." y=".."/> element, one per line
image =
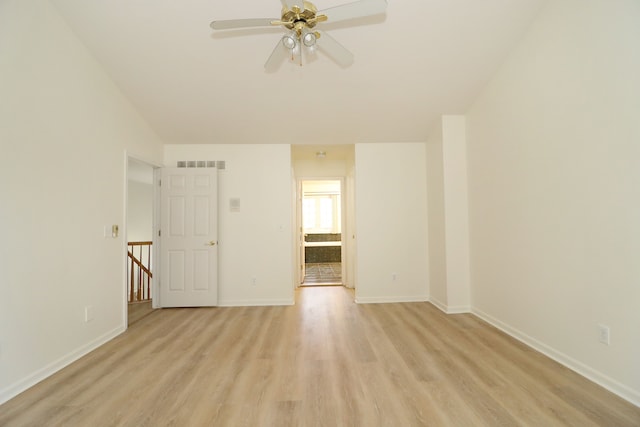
<point x="139" y="271"/>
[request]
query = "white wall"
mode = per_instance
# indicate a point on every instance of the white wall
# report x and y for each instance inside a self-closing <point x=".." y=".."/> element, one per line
<point x="554" y="173"/>
<point x="351" y="279"/>
<point x="436" y="219"/>
<point x="139" y="211"/>
<point x="448" y="216"/>
<point x="337" y="162"/>
<point x="317" y="168"/>
<point x="456" y="213"/>
<point x="391" y="207"/>
<point x="64" y="129"/>
<point x="255" y="242"/>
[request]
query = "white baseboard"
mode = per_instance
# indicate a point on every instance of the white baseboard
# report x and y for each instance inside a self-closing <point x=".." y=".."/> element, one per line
<point x="597" y="377"/>
<point x="255" y="303"/>
<point x="41" y="374"/>
<point x="383" y="300"/>
<point x="460" y="309"/>
<point x="439" y="305"/>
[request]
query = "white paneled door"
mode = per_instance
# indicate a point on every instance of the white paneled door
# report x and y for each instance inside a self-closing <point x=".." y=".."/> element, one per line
<point x="188" y="237"/>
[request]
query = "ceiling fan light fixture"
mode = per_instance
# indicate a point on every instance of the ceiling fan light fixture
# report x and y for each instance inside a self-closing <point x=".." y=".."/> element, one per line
<point x="309" y="39"/>
<point x="289" y="41"/>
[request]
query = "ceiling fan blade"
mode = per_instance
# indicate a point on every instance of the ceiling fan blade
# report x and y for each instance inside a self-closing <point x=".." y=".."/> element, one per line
<point x="277" y="57"/>
<point x="356" y="9"/>
<point x="242" y="23"/>
<point x="335" y="50"/>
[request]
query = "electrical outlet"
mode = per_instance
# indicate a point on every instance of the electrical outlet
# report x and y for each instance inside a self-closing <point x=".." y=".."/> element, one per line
<point x="604" y="334"/>
<point x="253" y="281"/>
<point x="394" y="276"/>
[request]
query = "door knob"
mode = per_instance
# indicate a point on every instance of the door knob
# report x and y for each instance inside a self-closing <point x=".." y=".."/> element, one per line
<point x="211" y="243"/>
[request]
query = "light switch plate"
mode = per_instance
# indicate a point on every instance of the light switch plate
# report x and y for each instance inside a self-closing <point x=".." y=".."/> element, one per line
<point x="111" y="231"/>
<point x="88" y="313"/>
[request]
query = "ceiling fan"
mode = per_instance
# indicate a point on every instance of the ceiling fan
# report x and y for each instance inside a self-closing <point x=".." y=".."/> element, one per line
<point x="299" y="18"/>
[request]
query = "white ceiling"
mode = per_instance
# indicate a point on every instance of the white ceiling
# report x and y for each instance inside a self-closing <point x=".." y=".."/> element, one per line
<point x="423" y="59"/>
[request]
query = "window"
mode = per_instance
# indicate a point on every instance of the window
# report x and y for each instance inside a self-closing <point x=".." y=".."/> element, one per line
<point x="326" y="213"/>
<point x="309" y="213"/>
<point x="321" y="206"/>
<point x="321" y="213"/>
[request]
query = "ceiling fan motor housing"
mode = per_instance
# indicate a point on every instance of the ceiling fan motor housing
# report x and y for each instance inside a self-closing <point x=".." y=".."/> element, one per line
<point x="297" y="20"/>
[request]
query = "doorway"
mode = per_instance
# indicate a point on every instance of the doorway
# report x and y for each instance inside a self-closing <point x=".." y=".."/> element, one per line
<point x="321" y="232"/>
<point x="326" y="163"/>
<point x="139" y="238"/>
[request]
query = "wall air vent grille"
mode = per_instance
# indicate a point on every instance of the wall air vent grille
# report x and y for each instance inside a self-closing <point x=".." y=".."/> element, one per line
<point x="200" y="164"/>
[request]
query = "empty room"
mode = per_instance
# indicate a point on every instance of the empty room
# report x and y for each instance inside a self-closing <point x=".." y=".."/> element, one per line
<point x="175" y="177"/>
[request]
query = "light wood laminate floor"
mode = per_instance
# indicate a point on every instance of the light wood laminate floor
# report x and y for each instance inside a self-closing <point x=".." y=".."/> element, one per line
<point x="137" y="310"/>
<point x="323" y="362"/>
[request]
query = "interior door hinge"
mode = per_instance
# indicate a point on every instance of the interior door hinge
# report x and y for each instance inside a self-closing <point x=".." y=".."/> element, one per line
<point x="159" y="183"/>
<point x="159" y="233"/>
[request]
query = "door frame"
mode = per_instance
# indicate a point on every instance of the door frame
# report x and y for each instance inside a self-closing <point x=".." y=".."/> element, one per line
<point x="299" y="232"/>
<point x="125" y="230"/>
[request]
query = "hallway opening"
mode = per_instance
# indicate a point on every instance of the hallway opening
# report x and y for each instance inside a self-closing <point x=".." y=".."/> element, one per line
<point x="139" y="238"/>
<point x="324" y="228"/>
<point x="321" y="231"/>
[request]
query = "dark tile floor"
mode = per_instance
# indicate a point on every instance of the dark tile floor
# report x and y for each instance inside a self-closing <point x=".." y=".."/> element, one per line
<point x="326" y="273"/>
